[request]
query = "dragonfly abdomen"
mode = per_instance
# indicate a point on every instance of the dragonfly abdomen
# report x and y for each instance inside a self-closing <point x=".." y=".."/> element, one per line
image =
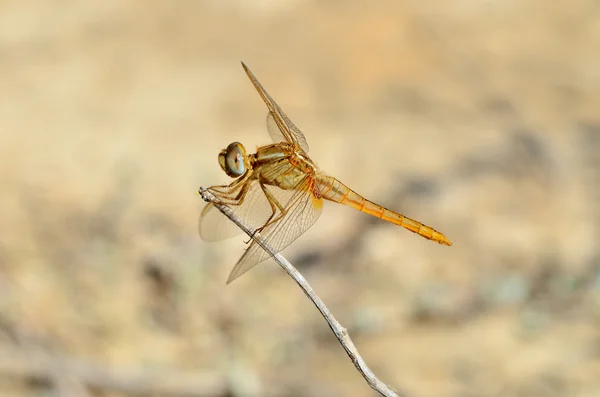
<point x="334" y="190"/>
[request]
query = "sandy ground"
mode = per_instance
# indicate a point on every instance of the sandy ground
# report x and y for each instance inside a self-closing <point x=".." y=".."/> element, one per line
<point x="481" y="119"/>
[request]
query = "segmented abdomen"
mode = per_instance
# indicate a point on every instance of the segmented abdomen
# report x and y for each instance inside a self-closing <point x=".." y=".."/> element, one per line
<point x="334" y="190"/>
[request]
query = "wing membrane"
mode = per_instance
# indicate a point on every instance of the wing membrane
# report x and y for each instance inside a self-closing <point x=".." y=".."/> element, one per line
<point x="285" y="127"/>
<point x="252" y="207"/>
<point x="302" y="209"/>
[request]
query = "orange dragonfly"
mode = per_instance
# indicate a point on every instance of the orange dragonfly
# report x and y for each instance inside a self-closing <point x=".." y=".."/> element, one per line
<point x="279" y="191"/>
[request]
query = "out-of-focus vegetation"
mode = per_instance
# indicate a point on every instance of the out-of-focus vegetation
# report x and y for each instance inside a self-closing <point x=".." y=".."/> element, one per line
<point x="481" y="119"/>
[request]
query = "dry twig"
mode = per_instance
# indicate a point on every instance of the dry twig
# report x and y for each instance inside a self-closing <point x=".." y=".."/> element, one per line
<point x="340" y="332"/>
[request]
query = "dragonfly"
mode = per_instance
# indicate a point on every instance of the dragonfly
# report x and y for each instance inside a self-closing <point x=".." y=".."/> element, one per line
<point x="279" y="192"/>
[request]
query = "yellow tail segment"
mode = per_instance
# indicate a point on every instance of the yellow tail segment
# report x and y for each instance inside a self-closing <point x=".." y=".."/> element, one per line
<point x="334" y="190"/>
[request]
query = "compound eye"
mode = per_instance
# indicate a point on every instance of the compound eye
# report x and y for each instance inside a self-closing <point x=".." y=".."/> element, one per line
<point x="234" y="158"/>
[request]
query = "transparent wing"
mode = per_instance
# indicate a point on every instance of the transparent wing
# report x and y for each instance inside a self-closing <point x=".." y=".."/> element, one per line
<point x="285" y="127"/>
<point x="277" y="136"/>
<point x="274" y="130"/>
<point x="247" y="199"/>
<point x="302" y="209"/>
<point x="253" y="208"/>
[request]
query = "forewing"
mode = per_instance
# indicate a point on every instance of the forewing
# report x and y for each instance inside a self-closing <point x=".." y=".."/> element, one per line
<point x="302" y="209"/>
<point x="285" y="127"/>
<point x="278" y="136"/>
<point x="274" y="130"/>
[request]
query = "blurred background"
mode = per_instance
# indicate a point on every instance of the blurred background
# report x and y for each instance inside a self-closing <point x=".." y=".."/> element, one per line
<point x="481" y="119"/>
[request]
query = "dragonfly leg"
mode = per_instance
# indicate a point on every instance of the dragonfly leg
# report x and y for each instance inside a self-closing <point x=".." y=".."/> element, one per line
<point x="225" y="193"/>
<point x="275" y="204"/>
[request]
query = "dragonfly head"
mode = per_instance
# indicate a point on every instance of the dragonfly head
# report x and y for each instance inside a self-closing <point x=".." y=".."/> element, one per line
<point x="233" y="160"/>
